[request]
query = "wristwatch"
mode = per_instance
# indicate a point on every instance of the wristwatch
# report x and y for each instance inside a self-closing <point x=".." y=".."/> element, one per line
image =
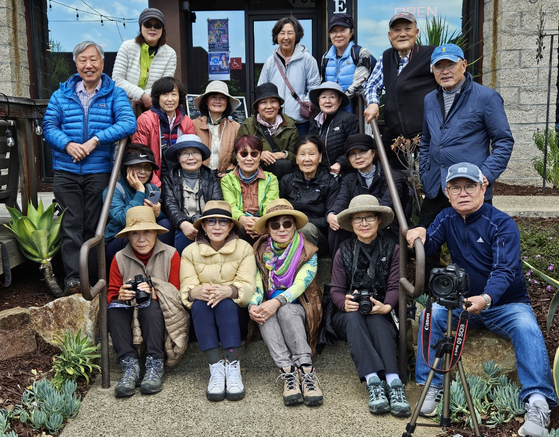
<point x="487" y="301"/>
<point x="96" y="138"/>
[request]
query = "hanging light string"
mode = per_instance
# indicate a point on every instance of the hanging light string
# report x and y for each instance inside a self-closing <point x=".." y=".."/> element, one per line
<point x="95" y="13"/>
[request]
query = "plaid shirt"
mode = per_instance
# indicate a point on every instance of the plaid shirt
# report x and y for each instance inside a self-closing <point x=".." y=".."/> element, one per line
<point x="375" y="84"/>
<point x="84" y="96"/>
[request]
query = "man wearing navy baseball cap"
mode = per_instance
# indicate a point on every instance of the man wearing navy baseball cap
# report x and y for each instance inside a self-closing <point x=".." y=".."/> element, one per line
<point x="485" y="242"/>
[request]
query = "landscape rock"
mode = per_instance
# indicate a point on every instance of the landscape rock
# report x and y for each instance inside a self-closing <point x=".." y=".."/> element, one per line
<point x="16" y="342"/>
<point x="14" y="318"/>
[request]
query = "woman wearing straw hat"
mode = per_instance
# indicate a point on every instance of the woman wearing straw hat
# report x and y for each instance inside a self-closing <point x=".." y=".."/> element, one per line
<point x="215" y="127"/>
<point x="333" y="124"/>
<point x="217" y="279"/>
<point x="277" y="131"/>
<point x="151" y="302"/>
<point x="287" y="304"/>
<point x="188" y="187"/>
<point x="365" y="291"/>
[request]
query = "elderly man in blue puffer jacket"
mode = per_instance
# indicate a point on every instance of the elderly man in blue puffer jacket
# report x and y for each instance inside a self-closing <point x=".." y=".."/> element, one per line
<point x="83" y="121"/>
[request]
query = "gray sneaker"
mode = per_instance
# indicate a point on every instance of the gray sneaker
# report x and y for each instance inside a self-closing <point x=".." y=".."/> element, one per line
<point x="153" y="378"/>
<point x="234" y="388"/>
<point x="378" y="404"/>
<point x="130" y="377"/>
<point x="429" y="407"/>
<point x="399" y="405"/>
<point x="216" y="386"/>
<point x="535" y="420"/>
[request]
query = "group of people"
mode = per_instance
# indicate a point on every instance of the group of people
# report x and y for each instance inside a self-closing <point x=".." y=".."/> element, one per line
<point x="223" y="223"/>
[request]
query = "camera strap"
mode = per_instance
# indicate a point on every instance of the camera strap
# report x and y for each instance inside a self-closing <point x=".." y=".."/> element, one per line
<point x="459" y="337"/>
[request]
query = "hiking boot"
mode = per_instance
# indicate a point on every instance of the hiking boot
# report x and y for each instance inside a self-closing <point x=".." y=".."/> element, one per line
<point x="399" y="405"/>
<point x="378" y="404"/>
<point x="152" y="379"/>
<point x="130" y="379"/>
<point x="535" y="420"/>
<point x="310" y="386"/>
<point x="71" y="287"/>
<point x="429" y="407"/>
<point x="235" y="390"/>
<point x="216" y="386"/>
<point x="291" y="388"/>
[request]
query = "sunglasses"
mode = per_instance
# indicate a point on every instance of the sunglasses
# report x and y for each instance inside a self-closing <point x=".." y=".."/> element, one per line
<point x="155" y="26"/>
<point x="244" y="154"/>
<point x="213" y="221"/>
<point x="276" y="225"/>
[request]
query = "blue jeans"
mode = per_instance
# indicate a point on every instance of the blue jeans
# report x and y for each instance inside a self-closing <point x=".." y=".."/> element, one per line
<point x="181" y="241"/>
<point x="215" y="325"/>
<point x="515" y="322"/>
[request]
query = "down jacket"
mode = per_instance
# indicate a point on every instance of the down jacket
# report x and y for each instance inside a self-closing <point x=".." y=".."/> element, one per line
<point x="109" y="116"/>
<point x="334" y="132"/>
<point x="302" y="73"/>
<point x="126" y="71"/>
<point x="228" y="129"/>
<point x="476" y="130"/>
<point x="172" y="194"/>
<point x="232" y="265"/>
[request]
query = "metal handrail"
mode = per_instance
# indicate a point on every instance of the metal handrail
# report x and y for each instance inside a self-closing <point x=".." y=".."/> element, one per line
<point x="100" y="288"/>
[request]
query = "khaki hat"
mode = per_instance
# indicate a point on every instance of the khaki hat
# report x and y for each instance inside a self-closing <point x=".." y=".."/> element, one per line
<point x="140" y="218"/>
<point x="278" y="208"/>
<point x="217" y="87"/>
<point x="365" y="203"/>
<point x="216" y="209"/>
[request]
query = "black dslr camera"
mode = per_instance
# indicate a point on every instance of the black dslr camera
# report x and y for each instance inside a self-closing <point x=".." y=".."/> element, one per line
<point x="448" y="284"/>
<point x="141" y="296"/>
<point x="362" y="296"/>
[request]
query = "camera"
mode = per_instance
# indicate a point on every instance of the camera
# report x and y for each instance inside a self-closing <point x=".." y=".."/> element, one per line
<point x="449" y="284"/>
<point x="362" y="297"/>
<point x="141" y="296"/>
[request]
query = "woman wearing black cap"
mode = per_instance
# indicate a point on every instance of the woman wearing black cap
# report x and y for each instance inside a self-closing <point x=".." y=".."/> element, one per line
<point x="345" y="63"/>
<point x="134" y="188"/>
<point x="141" y="61"/>
<point x="277" y="131"/>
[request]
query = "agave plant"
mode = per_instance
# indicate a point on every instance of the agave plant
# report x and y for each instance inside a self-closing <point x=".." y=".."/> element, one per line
<point x="437" y="32"/>
<point x="38" y="236"/>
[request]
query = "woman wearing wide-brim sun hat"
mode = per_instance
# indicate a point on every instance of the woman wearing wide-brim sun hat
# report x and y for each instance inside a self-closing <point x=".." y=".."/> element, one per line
<point x="332" y="124"/>
<point x="188" y="187"/>
<point x="215" y="126"/>
<point x="288" y="303"/>
<point x="369" y="261"/>
<point x="277" y="131"/>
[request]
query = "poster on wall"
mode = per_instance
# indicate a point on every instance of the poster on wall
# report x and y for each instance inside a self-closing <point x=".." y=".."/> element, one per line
<point x="218" y="65"/>
<point x="218" y="49"/>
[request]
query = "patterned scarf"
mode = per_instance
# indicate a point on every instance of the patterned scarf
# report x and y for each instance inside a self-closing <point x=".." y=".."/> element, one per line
<point x="369" y="176"/>
<point x="282" y="261"/>
<point x="272" y="128"/>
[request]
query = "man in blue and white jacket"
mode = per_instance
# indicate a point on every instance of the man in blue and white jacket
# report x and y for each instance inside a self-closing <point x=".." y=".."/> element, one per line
<point x="485" y="242"/>
<point x="83" y="121"/>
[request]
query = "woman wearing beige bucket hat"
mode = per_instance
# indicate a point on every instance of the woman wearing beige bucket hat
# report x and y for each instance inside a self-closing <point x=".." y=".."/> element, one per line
<point x="288" y="302"/>
<point x="215" y="127"/>
<point x="217" y="280"/>
<point x="143" y="290"/>
<point x="365" y="291"/>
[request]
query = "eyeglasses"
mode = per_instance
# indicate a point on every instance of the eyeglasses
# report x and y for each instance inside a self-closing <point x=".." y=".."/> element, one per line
<point x="440" y="68"/>
<point x="359" y="219"/>
<point x="146" y="168"/>
<point x="455" y="190"/>
<point x="196" y="153"/>
<point x="213" y="221"/>
<point x="276" y="225"/>
<point x="254" y="154"/>
<point x="150" y="25"/>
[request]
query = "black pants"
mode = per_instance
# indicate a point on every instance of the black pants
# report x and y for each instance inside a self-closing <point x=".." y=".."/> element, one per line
<point x="371" y="339"/>
<point x="153" y="330"/>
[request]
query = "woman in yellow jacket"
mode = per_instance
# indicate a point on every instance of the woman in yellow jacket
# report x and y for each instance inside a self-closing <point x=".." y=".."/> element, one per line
<point x="217" y="278"/>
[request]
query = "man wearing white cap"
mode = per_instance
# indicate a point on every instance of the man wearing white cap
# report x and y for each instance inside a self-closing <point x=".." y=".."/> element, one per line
<point x="485" y="242"/>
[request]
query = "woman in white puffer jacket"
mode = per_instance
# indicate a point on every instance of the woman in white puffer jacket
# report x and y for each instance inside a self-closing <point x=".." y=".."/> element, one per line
<point x="141" y="61"/>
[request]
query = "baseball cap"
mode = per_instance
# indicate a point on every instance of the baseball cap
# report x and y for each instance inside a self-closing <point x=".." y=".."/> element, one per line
<point x="447" y="51"/>
<point x="139" y="158"/>
<point x="465" y="170"/>
<point x="359" y="141"/>
<point x="344" y="20"/>
<point x="402" y="16"/>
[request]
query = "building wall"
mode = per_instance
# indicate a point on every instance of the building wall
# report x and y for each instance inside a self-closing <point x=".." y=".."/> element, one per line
<point x="510" y="32"/>
<point x="14" y="63"/>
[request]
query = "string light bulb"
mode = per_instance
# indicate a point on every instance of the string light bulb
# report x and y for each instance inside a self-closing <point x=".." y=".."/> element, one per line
<point x="102" y="21"/>
<point x="124" y="22"/>
<point x="9" y="138"/>
<point x="77" y="15"/>
<point x="50" y="5"/>
<point x="38" y="128"/>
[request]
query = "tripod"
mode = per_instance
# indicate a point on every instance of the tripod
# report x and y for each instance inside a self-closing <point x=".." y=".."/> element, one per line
<point x="444" y="349"/>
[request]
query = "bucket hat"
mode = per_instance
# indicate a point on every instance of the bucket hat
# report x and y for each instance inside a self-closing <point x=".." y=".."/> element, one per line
<point x="365" y="203"/>
<point x="315" y="93"/>
<point x="359" y="141"/>
<point x="184" y="142"/>
<point x="216" y="209"/>
<point x="217" y="87"/>
<point x="263" y="91"/>
<point x="277" y="208"/>
<point x="140" y="218"/>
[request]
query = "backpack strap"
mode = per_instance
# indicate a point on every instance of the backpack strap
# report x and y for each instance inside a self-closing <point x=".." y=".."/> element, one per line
<point x="323" y="65"/>
<point x="120" y="188"/>
<point x="355" y="50"/>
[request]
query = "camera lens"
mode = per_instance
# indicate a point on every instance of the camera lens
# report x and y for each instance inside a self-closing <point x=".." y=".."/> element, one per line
<point x="365" y="306"/>
<point x="442" y="285"/>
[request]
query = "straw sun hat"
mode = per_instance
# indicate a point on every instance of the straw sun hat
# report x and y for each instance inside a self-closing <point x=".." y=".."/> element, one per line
<point x="365" y="203"/>
<point x="278" y="208"/>
<point x="217" y="87"/>
<point x="216" y="209"/>
<point x="140" y="218"/>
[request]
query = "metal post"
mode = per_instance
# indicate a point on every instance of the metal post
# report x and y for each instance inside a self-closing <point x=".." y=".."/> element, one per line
<point x="547" y="112"/>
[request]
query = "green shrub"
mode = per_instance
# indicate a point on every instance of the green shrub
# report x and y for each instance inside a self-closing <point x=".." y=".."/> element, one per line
<point x="552" y="168"/>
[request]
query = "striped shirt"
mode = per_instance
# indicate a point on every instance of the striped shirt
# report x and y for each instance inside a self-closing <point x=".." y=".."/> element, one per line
<point x="375" y="84"/>
<point x="84" y="96"/>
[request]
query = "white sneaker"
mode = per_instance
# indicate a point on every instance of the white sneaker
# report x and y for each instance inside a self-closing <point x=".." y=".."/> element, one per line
<point x="216" y="386"/>
<point x="429" y="407"/>
<point x="536" y="420"/>
<point x="235" y="389"/>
